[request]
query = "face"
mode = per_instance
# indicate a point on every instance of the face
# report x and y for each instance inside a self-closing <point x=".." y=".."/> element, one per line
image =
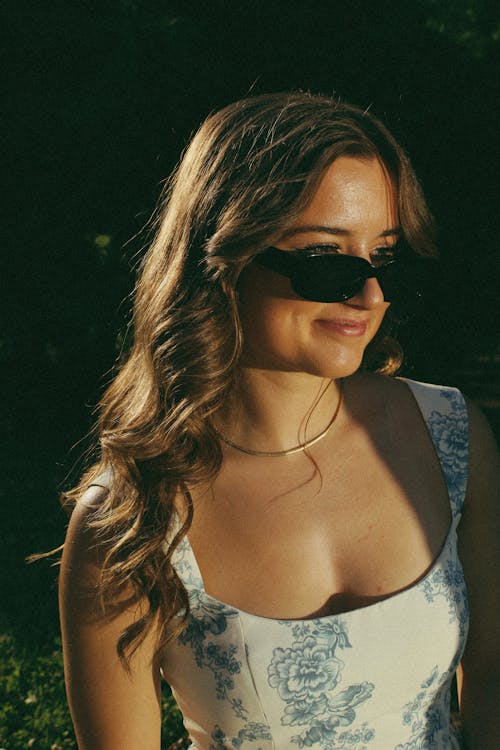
<point x="354" y="211"/>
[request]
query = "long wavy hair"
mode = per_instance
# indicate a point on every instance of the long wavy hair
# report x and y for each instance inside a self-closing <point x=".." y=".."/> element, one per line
<point x="247" y="174"/>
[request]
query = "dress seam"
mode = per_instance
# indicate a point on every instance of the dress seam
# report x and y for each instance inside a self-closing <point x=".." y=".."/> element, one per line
<point x="257" y="696"/>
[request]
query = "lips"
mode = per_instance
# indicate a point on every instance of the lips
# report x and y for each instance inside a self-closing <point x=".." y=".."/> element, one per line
<point x="344" y="326"/>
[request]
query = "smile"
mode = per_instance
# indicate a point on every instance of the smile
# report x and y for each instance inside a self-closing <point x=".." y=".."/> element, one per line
<point x="344" y="327"/>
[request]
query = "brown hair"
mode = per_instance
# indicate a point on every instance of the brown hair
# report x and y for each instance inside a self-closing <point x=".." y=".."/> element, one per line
<point x="247" y="174"/>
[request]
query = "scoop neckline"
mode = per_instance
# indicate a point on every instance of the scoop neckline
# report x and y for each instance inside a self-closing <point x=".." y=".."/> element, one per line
<point x="323" y="618"/>
<point x="400" y="593"/>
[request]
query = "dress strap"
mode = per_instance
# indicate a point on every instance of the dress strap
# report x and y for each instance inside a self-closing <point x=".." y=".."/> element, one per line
<point x="104" y="480"/>
<point x="445" y="413"/>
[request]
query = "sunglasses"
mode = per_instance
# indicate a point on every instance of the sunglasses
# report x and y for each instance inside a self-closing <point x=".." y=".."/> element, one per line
<point x="329" y="277"/>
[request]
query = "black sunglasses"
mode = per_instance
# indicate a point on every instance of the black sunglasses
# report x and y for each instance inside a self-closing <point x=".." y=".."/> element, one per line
<point x="329" y="277"/>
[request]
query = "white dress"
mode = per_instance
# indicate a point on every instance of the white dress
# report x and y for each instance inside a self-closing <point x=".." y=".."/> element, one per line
<point x="376" y="678"/>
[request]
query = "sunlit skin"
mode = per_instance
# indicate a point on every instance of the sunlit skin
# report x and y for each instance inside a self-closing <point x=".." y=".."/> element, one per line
<point x="292" y="346"/>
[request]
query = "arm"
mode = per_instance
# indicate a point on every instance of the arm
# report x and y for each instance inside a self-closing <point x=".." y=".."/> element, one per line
<point x="479" y="546"/>
<point x="110" y="707"/>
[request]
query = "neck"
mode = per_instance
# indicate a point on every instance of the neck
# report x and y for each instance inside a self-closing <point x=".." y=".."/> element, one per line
<point x="274" y="411"/>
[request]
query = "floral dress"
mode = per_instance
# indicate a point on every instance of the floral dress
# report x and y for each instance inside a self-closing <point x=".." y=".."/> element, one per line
<point x="376" y="678"/>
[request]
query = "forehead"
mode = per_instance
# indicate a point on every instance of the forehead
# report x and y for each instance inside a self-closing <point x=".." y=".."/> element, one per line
<point x="353" y="192"/>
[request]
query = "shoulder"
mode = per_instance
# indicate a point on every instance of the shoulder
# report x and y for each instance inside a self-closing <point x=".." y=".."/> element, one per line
<point x="412" y="412"/>
<point x="91" y="501"/>
<point x="430" y="396"/>
<point x="398" y="393"/>
<point x="97" y="491"/>
<point x="392" y="385"/>
<point x="83" y="550"/>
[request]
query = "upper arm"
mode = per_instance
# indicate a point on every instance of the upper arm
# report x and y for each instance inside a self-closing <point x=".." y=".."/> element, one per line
<point x="479" y="546"/>
<point x="111" y="707"/>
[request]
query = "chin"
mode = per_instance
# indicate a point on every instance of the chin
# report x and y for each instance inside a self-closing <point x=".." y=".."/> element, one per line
<point x="339" y="368"/>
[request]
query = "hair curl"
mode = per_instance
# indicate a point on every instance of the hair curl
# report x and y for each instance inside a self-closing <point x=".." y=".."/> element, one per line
<point x="247" y="174"/>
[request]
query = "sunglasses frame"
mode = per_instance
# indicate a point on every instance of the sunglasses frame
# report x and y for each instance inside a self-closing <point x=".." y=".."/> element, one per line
<point x="286" y="263"/>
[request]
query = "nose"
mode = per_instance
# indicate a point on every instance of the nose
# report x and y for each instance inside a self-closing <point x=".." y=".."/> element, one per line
<point x="369" y="297"/>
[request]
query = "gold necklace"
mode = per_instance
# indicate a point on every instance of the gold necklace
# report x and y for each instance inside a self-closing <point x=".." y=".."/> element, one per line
<point x="297" y="448"/>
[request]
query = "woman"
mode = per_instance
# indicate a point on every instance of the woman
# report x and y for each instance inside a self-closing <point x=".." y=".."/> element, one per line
<point x="273" y="519"/>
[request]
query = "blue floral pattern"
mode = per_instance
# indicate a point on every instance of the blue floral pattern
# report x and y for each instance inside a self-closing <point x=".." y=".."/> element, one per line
<point x="448" y="582"/>
<point x="306" y="676"/>
<point x="207" y="620"/>
<point x="449" y="432"/>
<point x="251" y="732"/>
<point x="428" y="715"/>
<point x="448" y="429"/>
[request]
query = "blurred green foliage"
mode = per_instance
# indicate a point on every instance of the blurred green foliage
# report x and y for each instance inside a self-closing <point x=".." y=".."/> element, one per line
<point x="33" y="710"/>
<point x="472" y="24"/>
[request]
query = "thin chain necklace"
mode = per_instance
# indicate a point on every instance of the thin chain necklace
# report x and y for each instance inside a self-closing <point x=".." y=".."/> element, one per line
<point x="297" y="448"/>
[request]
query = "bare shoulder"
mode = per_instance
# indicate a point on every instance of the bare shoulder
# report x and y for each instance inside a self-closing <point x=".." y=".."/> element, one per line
<point x="81" y="548"/>
<point x="95" y="494"/>
<point x="80" y="532"/>
<point x="93" y="497"/>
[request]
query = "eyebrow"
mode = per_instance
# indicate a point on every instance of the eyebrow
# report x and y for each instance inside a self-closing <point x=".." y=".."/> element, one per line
<point x="334" y="231"/>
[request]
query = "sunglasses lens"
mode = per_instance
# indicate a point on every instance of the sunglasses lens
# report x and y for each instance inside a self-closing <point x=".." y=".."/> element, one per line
<point x="329" y="278"/>
<point x="409" y="281"/>
<point x="390" y="278"/>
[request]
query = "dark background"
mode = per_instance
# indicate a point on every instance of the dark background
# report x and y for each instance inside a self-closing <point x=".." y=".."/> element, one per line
<point x="100" y="100"/>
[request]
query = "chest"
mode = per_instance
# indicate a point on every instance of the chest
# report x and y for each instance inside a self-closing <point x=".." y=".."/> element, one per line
<point x="347" y="526"/>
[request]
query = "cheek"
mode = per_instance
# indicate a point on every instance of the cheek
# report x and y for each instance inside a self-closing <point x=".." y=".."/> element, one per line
<point x="377" y="321"/>
<point x="266" y="301"/>
<point x="273" y="318"/>
<point x="257" y="284"/>
<point x="272" y="323"/>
